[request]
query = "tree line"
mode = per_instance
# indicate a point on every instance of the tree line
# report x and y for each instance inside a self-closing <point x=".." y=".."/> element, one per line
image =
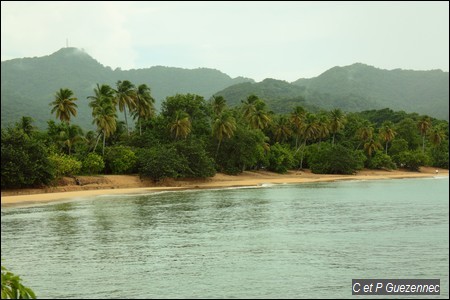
<point x="195" y="138"/>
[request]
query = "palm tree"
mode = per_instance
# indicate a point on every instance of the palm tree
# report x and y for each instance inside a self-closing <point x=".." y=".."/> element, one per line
<point x="282" y="129"/>
<point x="144" y="105"/>
<point x="248" y="106"/>
<point x="424" y="124"/>
<point x="387" y="132"/>
<point x="337" y="122"/>
<point x="323" y="126"/>
<point x="258" y="117"/>
<point x="104" y="112"/>
<point x="364" y="133"/>
<point x="436" y="135"/>
<point x="223" y="126"/>
<point x="64" y="105"/>
<point x="309" y="131"/>
<point x="218" y="105"/>
<point x="71" y="135"/>
<point x="297" y="118"/>
<point x="372" y="145"/>
<point x="26" y="125"/>
<point x="125" y="97"/>
<point x="181" y="125"/>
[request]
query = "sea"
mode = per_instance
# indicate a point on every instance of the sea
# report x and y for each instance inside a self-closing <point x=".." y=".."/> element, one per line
<point x="272" y="241"/>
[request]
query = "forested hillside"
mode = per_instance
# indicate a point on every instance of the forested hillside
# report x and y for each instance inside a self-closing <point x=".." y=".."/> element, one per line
<point x="353" y="88"/>
<point x="28" y="85"/>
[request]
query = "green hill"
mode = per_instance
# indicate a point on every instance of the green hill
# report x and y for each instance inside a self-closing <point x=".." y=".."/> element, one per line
<point x="424" y="92"/>
<point x="28" y="85"/>
<point x="353" y="88"/>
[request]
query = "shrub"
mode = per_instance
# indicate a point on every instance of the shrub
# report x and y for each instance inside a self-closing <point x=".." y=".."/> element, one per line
<point x="161" y="162"/>
<point x="25" y="161"/>
<point x="120" y="160"/>
<point x="381" y="161"/>
<point x="335" y="159"/>
<point x="411" y="159"/>
<point x="280" y="159"/>
<point x="65" y="165"/>
<point x="93" y="164"/>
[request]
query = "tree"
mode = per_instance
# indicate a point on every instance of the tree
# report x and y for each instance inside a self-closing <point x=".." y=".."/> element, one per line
<point x="281" y="129"/>
<point x="424" y="125"/>
<point x="26" y="125"/>
<point x="224" y="126"/>
<point x="335" y="159"/>
<point x="180" y="125"/>
<point x="64" y="105"/>
<point x="104" y="112"/>
<point x="387" y="133"/>
<point x="25" y="160"/>
<point x="218" y="105"/>
<point x="297" y="119"/>
<point x="364" y="134"/>
<point x="337" y="121"/>
<point x="372" y="145"/>
<point x="144" y="108"/>
<point x="436" y="135"/>
<point x="125" y="96"/>
<point x="12" y="288"/>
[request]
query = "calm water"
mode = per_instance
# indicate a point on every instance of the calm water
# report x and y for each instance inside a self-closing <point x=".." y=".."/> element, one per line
<point x="284" y="241"/>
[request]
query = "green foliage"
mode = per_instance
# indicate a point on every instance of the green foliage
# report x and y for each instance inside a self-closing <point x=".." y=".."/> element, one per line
<point x="120" y="160"/>
<point x="65" y="165"/>
<point x="398" y="146"/>
<point x="381" y="161"/>
<point x="25" y="161"/>
<point x="161" y="162"/>
<point x="280" y="159"/>
<point x="243" y="151"/>
<point x="199" y="163"/>
<point x="335" y="159"/>
<point x="12" y="288"/>
<point x="93" y="164"/>
<point x="411" y="159"/>
<point x="439" y="155"/>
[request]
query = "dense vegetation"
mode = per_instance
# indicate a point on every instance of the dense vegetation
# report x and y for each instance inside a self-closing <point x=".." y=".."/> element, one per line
<point x="192" y="137"/>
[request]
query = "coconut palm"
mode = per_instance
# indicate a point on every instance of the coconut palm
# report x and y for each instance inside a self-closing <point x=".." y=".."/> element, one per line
<point x="64" y="105"/>
<point x="337" y="122"/>
<point x="25" y="124"/>
<point x="71" y="135"/>
<point x="387" y="132"/>
<point x="218" y="105"/>
<point x="145" y="108"/>
<point x="248" y="106"/>
<point x="364" y="133"/>
<point x="224" y="126"/>
<point x="323" y="127"/>
<point x="436" y="135"/>
<point x="125" y="96"/>
<point x="371" y="146"/>
<point x="297" y="119"/>
<point x="424" y="125"/>
<point x="282" y="129"/>
<point x="258" y="117"/>
<point x="181" y="125"/>
<point x="104" y="112"/>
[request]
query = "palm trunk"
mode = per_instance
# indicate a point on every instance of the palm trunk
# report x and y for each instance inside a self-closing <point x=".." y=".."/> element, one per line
<point x="386" y="147"/>
<point x="218" y="146"/>
<point x="104" y="138"/>
<point x="140" y="126"/>
<point x="98" y="138"/>
<point x="333" y="137"/>
<point x="126" y="120"/>
<point x="423" y="143"/>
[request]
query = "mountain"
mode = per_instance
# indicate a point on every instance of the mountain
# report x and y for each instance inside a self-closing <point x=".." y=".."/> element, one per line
<point x="353" y="88"/>
<point x="28" y="85"/>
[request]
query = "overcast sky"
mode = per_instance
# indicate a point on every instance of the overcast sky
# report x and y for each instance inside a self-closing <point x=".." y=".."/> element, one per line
<point x="282" y="40"/>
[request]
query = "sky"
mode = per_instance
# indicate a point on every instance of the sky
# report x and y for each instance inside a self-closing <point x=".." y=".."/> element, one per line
<point x="258" y="40"/>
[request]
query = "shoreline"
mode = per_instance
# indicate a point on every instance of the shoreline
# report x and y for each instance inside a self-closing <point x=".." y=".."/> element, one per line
<point x="131" y="184"/>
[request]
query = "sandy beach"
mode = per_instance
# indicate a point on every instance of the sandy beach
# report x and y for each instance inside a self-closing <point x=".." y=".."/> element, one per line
<point x="67" y="188"/>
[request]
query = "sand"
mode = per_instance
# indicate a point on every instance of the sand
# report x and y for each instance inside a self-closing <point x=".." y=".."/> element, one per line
<point x="89" y="186"/>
